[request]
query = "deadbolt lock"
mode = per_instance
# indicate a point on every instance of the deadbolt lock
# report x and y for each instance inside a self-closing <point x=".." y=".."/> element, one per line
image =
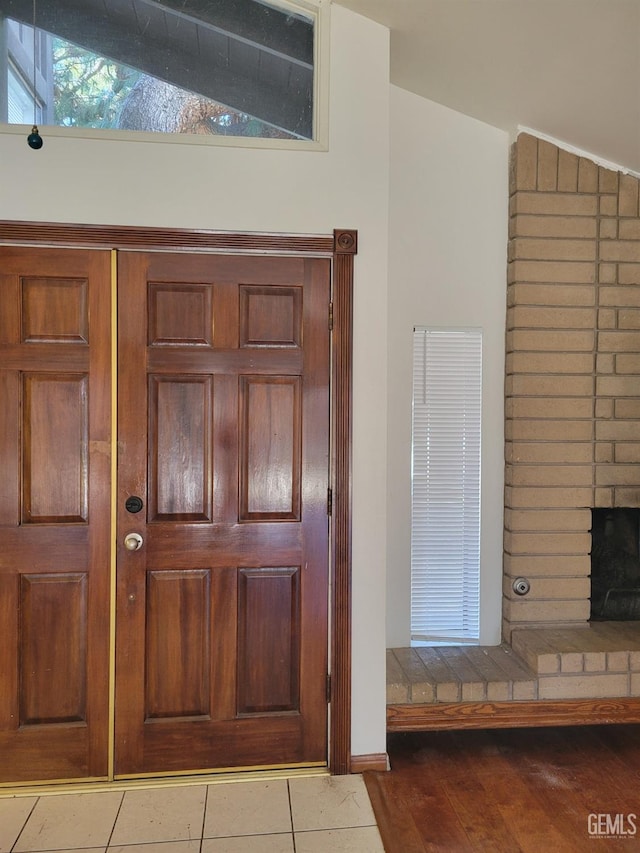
<point x="133" y="504"/>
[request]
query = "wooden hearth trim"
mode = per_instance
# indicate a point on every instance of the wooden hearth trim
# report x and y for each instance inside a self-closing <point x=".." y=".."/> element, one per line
<point x="501" y="715"/>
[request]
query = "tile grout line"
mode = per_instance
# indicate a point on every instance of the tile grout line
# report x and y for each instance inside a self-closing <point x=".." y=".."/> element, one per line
<point x="204" y="817"/>
<point x="293" y="834"/>
<point x="26" y="821"/>
<point x="115" y="820"/>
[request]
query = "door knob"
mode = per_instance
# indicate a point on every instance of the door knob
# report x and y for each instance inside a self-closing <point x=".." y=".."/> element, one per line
<point x="133" y="541"/>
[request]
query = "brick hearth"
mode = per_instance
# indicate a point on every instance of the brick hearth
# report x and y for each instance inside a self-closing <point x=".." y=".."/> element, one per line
<point x="598" y="661"/>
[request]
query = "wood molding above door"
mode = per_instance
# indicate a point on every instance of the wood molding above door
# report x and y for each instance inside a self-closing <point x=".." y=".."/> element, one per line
<point x="341" y="246"/>
<point x="166" y="239"/>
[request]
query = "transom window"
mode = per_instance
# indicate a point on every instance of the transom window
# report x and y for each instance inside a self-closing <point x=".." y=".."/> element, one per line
<point x="234" y="67"/>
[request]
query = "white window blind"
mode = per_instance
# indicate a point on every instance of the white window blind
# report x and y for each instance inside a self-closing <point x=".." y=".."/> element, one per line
<point x="445" y="522"/>
<point x="20" y="100"/>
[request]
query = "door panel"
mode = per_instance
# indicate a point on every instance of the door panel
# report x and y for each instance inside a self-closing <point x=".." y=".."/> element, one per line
<point x="184" y="634"/>
<point x="53" y="675"/>
<point x="222" y="614"/>
<point x="55" y="448"/>
<point x="180" y="406"/>
<point x="269" y="447"/>
<point x="54" y="513"/>
<point x="268" y="640"/>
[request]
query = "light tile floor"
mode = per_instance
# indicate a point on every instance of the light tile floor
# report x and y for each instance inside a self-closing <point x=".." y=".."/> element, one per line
<point x="323" y="814"/>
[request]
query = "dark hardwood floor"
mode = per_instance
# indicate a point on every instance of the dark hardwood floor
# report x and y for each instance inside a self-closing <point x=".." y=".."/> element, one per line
<point x="534" y="790"/>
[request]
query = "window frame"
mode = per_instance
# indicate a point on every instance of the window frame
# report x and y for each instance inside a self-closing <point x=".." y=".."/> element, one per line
<point x="319" y="10"/>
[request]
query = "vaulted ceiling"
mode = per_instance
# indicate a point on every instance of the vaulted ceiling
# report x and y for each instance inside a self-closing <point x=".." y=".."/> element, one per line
<point x="569" y="69"/>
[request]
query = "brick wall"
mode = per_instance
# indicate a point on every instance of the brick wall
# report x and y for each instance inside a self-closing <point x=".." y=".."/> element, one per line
<point x="573" y="373"/>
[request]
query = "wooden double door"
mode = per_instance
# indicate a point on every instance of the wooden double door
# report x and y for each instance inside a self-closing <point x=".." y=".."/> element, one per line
<point x="163" y="587"/>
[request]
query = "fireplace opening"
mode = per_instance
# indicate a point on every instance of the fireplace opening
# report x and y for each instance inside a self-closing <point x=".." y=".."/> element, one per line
<point x="615" y="564"/>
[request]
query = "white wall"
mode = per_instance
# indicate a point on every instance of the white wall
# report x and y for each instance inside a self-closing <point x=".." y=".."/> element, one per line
<point x="448" y="218"/>
<point x="177" y="185"/>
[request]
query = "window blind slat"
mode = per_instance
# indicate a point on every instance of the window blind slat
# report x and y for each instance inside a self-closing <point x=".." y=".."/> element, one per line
<point x="445" y="523"/>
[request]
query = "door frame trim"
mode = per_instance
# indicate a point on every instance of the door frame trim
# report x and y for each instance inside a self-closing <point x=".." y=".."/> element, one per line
<point x="341" y="247"/>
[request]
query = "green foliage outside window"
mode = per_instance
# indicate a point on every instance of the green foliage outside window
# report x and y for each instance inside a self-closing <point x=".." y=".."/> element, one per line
<point x="97" y="92"/>
<point x="89" y="90"/>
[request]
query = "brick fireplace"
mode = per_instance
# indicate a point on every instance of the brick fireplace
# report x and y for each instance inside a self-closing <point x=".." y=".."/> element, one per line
<point x="572" y="466"/>
<point x="573" y="375"/>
